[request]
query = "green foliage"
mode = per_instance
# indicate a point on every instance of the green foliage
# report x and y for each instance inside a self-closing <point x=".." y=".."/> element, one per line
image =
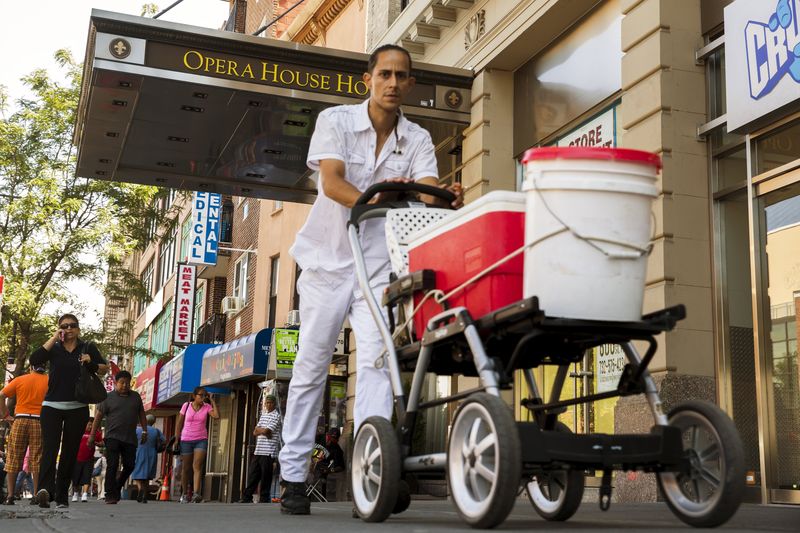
<point x="56" y="227"/>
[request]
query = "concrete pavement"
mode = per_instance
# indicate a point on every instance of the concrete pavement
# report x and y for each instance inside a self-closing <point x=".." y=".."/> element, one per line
<point x="422" y="516"/>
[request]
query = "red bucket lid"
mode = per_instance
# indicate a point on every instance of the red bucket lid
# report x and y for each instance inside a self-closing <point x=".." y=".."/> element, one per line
<point x="579" y="152"/>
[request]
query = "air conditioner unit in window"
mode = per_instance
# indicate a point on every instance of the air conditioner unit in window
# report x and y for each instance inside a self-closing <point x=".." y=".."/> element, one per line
<point x="232" y="305"/>
<point x="293" y="318"/>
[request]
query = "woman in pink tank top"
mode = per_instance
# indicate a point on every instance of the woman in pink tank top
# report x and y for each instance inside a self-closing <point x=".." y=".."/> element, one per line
<point x="193" y="439"/>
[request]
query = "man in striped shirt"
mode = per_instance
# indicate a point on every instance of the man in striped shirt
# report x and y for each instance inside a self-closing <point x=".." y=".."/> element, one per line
<point x="268" y="435"/>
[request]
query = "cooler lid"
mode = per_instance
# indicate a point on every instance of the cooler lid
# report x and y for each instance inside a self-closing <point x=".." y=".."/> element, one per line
<point x="579" y="152"/>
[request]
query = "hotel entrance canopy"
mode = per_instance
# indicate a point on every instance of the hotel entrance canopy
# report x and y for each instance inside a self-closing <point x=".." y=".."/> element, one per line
<point x="178" y="106"/>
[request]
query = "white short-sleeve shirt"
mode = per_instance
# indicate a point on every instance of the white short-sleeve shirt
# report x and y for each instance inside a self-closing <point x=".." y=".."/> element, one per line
<point x="346" y="133"/>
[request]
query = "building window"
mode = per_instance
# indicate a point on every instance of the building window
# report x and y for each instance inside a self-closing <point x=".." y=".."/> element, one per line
<point x="140" y="352"/>
<point x="169" y="199"/>
<point x="199" y="308"/>
<point x="245" y="210"/>
<point x="240" y="277"/>
<point x="186" y="229"/>
<point x="277" y="205"/>
<point x="274" y="266"/>
<point x="226" y="222"/>
<point x="147" y="283"/>
<point x="161" y="330"/>
<point x="166" y="262"/>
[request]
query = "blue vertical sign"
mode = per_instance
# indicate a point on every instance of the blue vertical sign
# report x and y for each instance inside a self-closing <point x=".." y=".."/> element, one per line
<point x="204" y="233"/>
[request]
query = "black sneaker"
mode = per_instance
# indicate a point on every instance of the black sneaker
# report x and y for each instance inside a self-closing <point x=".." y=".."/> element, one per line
<point x="294" y="499"/>
<point x="43" y="499"/>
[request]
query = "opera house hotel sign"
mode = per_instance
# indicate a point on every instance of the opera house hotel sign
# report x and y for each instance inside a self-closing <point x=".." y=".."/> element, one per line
<point x="254" y="70"/>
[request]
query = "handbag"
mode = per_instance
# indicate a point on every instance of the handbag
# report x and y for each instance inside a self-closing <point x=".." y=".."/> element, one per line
<point x="89" y="388"/>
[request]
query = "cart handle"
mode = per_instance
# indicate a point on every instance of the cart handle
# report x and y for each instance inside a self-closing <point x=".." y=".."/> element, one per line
<point x="362" y="210"/>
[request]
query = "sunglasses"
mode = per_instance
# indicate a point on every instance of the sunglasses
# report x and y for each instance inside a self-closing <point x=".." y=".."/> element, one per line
<point x="69" y="325"/>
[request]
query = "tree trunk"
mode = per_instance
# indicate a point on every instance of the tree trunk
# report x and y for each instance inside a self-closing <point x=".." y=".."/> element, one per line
<point x="21" y="351"/>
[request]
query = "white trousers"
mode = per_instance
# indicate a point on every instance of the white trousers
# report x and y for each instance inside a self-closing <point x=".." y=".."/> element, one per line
<point x="325" y="302"/>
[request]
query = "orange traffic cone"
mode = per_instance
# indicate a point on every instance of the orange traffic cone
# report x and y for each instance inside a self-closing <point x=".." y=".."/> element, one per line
<point x="164" y="495"/>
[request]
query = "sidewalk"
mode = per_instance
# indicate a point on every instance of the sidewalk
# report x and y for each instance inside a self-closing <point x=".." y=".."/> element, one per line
<point x="422" y="516"/>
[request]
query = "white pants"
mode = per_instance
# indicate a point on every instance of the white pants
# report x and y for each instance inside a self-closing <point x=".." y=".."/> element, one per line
<point x="325" y="301"/>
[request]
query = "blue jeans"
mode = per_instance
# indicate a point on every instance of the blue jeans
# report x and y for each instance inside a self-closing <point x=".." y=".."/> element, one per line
<point x="189" y="446"/>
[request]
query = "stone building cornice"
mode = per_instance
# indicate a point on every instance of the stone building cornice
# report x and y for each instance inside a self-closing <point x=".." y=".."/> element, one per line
<point x="315" y="19"/>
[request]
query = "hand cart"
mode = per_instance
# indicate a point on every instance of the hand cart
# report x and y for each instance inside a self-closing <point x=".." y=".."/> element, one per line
<point x="694" y="450"/>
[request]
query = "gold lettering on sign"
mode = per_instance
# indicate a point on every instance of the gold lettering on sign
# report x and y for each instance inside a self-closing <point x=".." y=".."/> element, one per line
<point x="274" y="73"/>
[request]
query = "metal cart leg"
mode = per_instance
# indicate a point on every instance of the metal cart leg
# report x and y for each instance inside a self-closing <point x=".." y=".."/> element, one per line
<point x="651" y="392"/>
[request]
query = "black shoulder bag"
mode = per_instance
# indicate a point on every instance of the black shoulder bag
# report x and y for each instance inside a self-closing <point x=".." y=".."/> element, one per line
<point x="89" y="388"/>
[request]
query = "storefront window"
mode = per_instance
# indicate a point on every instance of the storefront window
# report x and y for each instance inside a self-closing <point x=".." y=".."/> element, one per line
<point x="219" y="437"/>
<point x="781" y="218"/>
<point x="777" y="149"/>
<point x="736" y="308"/>
<point x="569" y="78"/>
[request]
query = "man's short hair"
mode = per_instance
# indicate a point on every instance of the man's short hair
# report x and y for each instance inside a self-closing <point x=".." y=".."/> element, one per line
<point x="373" y="57"/>
<point x="122" y="374"/>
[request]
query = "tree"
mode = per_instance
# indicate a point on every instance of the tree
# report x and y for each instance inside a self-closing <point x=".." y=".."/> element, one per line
<point x="56" y="227"/>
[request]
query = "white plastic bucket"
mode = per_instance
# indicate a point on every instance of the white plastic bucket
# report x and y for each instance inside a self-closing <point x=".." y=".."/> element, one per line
<point x="588" y="219"/>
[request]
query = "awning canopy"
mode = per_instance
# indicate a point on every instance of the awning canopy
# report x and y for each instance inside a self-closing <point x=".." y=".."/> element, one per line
<point x="243" y="359"/>
<point x="178" y="377"/>
<point x="184" y="107"/>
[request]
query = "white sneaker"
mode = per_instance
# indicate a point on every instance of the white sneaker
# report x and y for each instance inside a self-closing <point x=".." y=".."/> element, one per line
<point x="85" y="497"/>
<point x="74" y="496"/>
<point x="184" y="499"/>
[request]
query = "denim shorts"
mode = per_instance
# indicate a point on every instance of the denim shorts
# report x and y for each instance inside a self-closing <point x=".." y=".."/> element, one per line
<point x="189" y="446"/>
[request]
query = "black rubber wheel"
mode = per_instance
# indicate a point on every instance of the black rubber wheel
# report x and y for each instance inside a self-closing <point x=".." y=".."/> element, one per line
<point x="403" y="497"/>
<point x="556" y="494"/>
<point x="711" y="493"/>
<point x="484" y="461"/>
<point x="375" y="470"/>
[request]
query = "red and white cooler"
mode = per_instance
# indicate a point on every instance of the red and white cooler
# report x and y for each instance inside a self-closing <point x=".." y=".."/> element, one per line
<point x="465" y="243"/>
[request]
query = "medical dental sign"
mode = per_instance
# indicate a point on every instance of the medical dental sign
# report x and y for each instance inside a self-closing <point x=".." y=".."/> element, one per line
<point x="762" y="60"/>
<point x="204" y="232"/>
<point x="183" y="314"/>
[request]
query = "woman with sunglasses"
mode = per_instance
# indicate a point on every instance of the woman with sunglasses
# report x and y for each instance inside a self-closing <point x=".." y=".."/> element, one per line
<point x="63" y="418"/>
<point x="193" y="440"/>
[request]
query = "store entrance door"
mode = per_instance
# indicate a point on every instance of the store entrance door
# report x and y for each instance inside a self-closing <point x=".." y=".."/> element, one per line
<point x="779" y="213"/>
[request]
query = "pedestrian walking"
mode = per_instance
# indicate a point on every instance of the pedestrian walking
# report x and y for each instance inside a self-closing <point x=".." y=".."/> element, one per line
<point x="123" y="409"/>
<point x="146" y="458"/>
<point x="26" y="430"/>
<point x="84" y="464"/>
<point x="268" y="440"/>
<point x="99" y="475"/>
<point x="24" y="485"/>
<point x="63" y="418"/>
<point x="353" y="147"/>
<point x="193" y="441"/>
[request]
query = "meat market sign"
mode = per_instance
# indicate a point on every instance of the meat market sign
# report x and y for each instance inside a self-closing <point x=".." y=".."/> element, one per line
<point x="183" y="315"/>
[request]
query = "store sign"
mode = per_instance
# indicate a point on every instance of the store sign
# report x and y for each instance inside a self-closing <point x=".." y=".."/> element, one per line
<point x="285" y="351"/>
<point x="271" y="71"/>
<point x="147" y="385"/>
<point x="599" y="131"/>
<point x="762" y="71"/>
<point x="204" y="231"/>
<point x="175" y="376"/>
<point x="113" y="371"/>
<point x="183" y="315"/>
<point x="164" y="383"/>
<point x="610" y="361"/>
<point x="342" y="342"/>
